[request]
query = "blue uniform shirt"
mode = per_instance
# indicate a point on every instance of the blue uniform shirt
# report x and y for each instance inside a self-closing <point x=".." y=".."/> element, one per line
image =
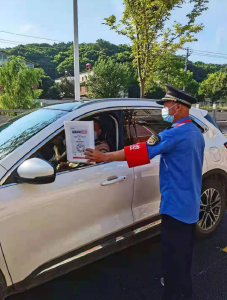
<point x="181" y="163"/>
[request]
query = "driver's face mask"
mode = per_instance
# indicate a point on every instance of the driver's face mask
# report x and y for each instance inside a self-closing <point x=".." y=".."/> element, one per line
<point x="96" y="135"/>
<point x="166" y="116"/>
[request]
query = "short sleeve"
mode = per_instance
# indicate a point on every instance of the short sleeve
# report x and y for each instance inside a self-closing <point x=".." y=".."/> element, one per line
<point x="166" y="144"/>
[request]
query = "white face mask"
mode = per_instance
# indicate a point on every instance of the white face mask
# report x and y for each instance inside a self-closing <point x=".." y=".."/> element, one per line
<point x="166" y="116"/>
<point x="96" y="135"/>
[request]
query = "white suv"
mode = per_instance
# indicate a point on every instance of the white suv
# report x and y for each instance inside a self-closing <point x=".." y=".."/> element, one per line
<point x="89" y="211"/>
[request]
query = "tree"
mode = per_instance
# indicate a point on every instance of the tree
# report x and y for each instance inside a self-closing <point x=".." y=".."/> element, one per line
<point x="18" y="81"/>
<point x="171" y="71"/>
<point x="144" y="23"/>
<point x="65" y="88"/>
<point x="215" y="86"/>
<point x="110" y="79"/>
<point x="49" y="89"/>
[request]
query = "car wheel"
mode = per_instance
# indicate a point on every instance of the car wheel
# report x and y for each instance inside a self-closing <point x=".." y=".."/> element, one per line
<point x="3" y="286"/>
<point x="212" y="207"/>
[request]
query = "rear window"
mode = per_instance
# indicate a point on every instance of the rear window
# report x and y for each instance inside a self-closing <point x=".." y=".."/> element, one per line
<point x="211" y="120"/>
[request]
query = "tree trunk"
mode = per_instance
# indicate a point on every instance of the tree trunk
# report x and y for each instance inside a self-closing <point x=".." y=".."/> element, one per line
<point x="142" y="87"/>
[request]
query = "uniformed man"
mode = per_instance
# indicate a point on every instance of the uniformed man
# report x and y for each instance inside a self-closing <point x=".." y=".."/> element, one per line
<point x="181" y="147"/>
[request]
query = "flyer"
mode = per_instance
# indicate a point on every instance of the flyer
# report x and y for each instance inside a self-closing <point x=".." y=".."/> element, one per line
<point x="79" y="136"/>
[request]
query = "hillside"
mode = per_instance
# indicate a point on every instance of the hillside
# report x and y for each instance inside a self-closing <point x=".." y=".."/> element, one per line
<point x="57" y="58"/>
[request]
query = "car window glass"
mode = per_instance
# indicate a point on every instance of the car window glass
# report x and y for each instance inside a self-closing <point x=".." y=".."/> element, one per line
<point x="20" y="129"/>
<point x="211" y="120"/>
<point x="140" y="124"/>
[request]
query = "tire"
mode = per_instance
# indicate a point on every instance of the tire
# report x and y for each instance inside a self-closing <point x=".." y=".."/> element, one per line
<point x="3" y="286"/>
<point x="212" y="209"/>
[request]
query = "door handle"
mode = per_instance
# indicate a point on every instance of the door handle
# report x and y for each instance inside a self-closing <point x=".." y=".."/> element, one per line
<point x="112" y="180"/>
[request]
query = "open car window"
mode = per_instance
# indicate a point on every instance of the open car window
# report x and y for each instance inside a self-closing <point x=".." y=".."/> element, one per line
<point x="140" y="124"/>
<point x="55" y="151"/>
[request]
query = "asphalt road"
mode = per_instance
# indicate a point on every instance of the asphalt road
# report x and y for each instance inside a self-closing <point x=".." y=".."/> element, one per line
<point x="133" y="274"/>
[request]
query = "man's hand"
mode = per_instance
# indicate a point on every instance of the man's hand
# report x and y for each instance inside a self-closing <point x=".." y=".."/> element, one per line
<point x="95" y="155"/>
<point x="98" y="156"/>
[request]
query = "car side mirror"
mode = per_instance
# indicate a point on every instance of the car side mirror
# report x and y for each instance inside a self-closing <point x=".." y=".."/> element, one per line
<point x="35" y="171"/>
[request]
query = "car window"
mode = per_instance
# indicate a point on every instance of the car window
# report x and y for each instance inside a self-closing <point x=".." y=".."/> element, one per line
<point x="140" y="124"/>
<point x="211" y="120"/>
<point x="20" y="129"/>
<point x="203" y="128"/>
<point x="55" y="151"/>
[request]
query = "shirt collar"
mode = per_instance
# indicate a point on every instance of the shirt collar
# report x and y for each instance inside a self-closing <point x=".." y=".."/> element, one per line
<point x="181" y="120"/>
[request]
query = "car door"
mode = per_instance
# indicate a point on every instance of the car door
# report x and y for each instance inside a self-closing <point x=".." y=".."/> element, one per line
<point x="40" y="223"/>
<point x="141" y="124"/>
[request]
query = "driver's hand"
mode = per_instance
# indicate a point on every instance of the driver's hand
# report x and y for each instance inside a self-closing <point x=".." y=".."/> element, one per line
<point x="94" y="155"/>
<point x="63" y="166"/>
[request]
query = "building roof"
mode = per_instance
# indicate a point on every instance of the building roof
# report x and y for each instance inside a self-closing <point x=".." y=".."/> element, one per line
<point x="31" y="62"/>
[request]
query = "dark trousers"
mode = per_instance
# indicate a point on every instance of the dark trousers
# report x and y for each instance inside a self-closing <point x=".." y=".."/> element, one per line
<point x="177" y="241"/>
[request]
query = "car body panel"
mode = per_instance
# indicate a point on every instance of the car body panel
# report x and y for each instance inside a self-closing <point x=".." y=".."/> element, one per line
<point x="2" y="171"/>
<point x="146" y="199"/>
<point x="4" y="269"/>
<point x="46" y="221"/>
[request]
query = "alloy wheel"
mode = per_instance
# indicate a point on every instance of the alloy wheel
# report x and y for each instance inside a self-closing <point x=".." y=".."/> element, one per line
<point x="210" y="209"/>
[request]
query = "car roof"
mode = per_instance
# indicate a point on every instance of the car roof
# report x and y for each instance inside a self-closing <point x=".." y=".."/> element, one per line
<point x="77" y="104"/>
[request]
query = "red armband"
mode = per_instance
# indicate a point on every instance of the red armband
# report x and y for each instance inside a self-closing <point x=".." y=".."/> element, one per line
<point x="137" y="155"/>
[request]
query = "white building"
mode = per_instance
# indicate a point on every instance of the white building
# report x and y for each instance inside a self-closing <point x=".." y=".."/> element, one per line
<point x="4" y="56"/>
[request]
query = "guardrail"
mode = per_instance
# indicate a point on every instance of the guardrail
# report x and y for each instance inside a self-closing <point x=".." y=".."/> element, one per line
<point x="7" y="114"/>
<point x="218" y="114"/>
<point x="14" y="111"/>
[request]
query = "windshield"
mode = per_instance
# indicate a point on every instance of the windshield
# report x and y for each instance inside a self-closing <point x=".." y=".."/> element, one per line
<point x="20" y="129"/>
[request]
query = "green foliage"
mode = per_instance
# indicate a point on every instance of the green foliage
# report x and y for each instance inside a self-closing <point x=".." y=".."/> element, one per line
<point x="42" y="54"/>
<point x="90" y="53"/>
<point x="171" y="71"/>
<point x="49" y="90"/>
<point x="144" y="23"/>
<point x="65" y="88"/>
<point x="57" y="58"/>
<point x="215" y="86"/>
<point x="17" y="81"/>
<point x="110" y="79"/>
<point x="200" y="70"/>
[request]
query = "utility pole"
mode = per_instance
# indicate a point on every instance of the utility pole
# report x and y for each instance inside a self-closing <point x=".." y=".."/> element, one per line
<point x="76" y="53"/>
<point x="186" y="62"/>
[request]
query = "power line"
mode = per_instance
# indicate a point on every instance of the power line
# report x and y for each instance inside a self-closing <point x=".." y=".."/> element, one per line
<point x="204" y="53"/>
<point x="36" y="37"/>
<point x="209" y="55"/>
<point x="11" y="42"/>
<point x="15" y="44"/>
<point x="208" y="52"/>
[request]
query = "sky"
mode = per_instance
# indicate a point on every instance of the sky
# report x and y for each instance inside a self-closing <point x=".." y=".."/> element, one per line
<point x="53" y="19"/>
